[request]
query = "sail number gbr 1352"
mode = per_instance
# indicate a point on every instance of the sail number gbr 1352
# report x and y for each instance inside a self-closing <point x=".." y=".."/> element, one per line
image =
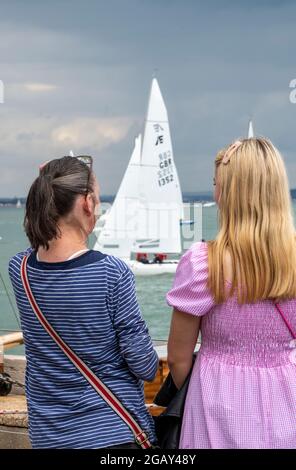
<point x="165" y="172"/>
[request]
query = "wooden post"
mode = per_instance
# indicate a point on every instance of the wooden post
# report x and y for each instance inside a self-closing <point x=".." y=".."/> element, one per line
<point x="1" y="357"/>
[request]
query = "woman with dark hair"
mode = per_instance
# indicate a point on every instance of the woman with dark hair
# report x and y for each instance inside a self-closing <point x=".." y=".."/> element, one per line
<point x="89" y="299"/>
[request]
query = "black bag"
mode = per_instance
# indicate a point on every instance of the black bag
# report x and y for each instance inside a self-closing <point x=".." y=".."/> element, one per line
<point x="169" y="423"/>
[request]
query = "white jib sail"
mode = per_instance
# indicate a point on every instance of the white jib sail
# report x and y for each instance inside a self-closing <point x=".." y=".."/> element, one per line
<point x="116" y="236"/>
<point x="160" y="198"/>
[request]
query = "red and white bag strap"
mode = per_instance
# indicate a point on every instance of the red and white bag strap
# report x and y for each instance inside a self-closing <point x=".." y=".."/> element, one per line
<point x="141" y="436"/>
<point x="286" y="321"/>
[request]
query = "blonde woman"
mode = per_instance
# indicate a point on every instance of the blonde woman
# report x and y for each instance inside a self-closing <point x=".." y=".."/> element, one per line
<point x="242" y="392"/>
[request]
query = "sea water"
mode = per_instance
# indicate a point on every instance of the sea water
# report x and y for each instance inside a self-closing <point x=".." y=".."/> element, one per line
<point x="151" y="290"/>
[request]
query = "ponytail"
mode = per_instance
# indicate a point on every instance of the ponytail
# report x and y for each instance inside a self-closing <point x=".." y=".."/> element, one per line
<point x="52" y="195"/>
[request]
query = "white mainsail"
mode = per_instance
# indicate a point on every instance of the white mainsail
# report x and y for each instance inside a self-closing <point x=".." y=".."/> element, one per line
<point x="145" y="216"/>
<point x="119" y="230"/>
<point x="250" y="130"/>
<point x="160" y="197"/>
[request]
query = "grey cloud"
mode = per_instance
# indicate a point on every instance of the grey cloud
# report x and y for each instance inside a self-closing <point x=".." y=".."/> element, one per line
<point x="218" y="63"/>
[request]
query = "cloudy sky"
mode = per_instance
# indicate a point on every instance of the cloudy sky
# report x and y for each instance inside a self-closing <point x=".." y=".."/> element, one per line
<point x="77" y="76"/>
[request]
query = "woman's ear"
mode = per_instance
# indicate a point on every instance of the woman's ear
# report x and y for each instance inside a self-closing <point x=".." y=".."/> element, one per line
<point x="88" y="204"/>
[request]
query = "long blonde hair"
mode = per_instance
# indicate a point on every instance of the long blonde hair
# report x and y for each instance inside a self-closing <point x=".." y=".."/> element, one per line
<point x="255" y="225"/>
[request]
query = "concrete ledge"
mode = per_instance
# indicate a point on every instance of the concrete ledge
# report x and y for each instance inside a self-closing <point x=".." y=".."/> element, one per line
<point x="15" y="404"/>
<point x="12" y="437"/>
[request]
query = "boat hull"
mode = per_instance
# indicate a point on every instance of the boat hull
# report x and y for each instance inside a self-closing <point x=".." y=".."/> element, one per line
<point x="152" y="269"/>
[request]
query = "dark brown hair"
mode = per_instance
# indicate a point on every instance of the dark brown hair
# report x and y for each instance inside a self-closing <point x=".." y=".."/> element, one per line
<point x="52" y="195"/>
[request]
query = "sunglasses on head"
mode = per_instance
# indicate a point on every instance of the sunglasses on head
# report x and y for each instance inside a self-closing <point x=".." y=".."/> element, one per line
<point x="87" y="160"/>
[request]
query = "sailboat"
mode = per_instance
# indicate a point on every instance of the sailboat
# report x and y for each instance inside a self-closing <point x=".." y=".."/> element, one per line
<point x="250" y="130"/>
<point x="145" y="216"/>
<point x="18" y="204"/>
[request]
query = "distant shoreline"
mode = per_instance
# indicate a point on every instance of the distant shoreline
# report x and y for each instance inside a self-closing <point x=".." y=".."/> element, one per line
<point x="204" y="196"/>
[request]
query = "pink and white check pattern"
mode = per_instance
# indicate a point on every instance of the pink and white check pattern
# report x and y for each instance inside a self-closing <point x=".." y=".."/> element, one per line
<point x="242" y="392"/>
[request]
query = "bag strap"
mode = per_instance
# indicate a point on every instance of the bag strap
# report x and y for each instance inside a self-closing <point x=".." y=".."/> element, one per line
<point x="286" y="321"/>
<point x="141" y="437"/>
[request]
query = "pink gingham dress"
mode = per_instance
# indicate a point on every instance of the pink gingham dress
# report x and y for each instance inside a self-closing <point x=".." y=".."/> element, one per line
<point x="242" y="392"/>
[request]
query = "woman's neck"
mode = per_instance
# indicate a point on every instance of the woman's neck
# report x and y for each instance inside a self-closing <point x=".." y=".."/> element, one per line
<point x="60" y="249"/>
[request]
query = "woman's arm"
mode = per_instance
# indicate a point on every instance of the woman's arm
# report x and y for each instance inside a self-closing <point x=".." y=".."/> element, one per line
<point x="182" y="341"/>
<point x="133" y="336"/>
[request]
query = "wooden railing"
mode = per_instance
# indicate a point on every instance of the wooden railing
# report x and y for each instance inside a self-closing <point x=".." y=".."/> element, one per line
<point x="9" y="341"/>
<point x="151" y="388"/>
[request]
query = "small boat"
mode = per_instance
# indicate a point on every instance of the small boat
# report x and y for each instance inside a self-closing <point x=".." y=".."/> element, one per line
<point x="18" y="204"/>
<point x="151" y="268"/>
<point x="209" y="204"/>
<point x="145" y="216"/>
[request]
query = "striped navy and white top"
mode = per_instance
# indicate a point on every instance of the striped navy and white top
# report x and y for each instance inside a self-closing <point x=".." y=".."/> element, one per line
<point x="91" y="302"/>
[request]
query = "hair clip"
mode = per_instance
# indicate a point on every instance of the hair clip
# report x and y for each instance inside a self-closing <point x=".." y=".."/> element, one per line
<point x="230" y="151"/>
<point x="43" y="165"/>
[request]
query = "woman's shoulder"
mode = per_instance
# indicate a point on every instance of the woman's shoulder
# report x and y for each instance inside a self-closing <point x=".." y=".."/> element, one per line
<point x="193" y="264"/>
<point x="196" y="256"/>
<point x="18" y="257"/>
<point x="117" y="271"/>
<point x="116" y="264"/>
<point x="190" y="292"/>
<point x="14" y="264"/>
<point x="200" y="248"/>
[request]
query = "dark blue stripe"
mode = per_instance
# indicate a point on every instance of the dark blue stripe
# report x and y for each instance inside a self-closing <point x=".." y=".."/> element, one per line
<point x="89" y="257"/>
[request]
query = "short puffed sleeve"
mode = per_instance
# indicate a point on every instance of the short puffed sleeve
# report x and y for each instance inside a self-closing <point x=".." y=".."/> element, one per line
<point x="190" y="293"/>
